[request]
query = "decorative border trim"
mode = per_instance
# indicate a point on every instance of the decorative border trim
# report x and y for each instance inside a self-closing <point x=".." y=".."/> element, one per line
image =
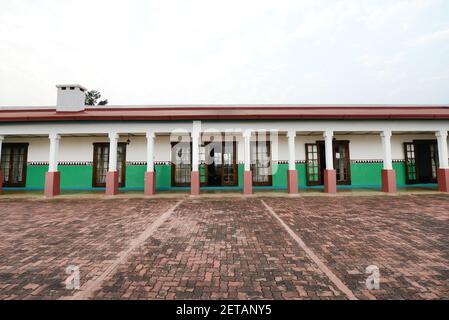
<point x="367" y="161"/>
<point x="377" y="161"/>
<point x="61" y="163"/>
<point x="136" y="163"/>
<point x="144" y="163"/>
<point x="75" y="163"/>
<point x="162" y="163"/>
<point x="168" y="163"/>
<point x="37" y="163"/>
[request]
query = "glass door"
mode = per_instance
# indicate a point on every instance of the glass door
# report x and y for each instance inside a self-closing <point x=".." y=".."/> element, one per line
<point x="181" y="163"/>
<point x="316" y="162"/>
<point x="220" y="164"/>
<point x="261" y="163"/>
<point x="13" y="164"/>
<point x="229" y="168"/>
<point x="214" y="163"/>
<point x="101" y="164"/>
<point x="342" y="164"/>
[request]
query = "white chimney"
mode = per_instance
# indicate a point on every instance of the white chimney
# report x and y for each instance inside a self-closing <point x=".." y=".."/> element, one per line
<point x="71" y="98"/>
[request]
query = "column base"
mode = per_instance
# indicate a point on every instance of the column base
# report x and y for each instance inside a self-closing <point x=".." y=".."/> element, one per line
<point x="112" y="183"/>
<point x="248" y="183"/>
<point x="1" y="181"/>
<point x="389" y="181"/>
<point x="52" y="184"/>
<point x="292" y="181"/>
<point x="150" y="183"/>
<point x="443" y="180"/>
<point x="195" y="183"/>
<point x="330" y="181"/>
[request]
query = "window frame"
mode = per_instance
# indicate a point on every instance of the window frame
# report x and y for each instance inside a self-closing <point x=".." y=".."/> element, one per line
<point x="318" y="164"/>
<point x="173" y="165"/>
<point x="22" y="183"/>
<point x="270" y="176"/>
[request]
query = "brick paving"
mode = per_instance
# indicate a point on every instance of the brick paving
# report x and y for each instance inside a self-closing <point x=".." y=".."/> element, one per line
<point x="406" y="237"/>
<point x="227" y="248"/>
<point x="40" y="239"/>
<point x="219" y="249"/>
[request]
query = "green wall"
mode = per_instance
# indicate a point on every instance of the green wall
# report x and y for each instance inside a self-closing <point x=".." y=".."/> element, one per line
<point x="76" y="177"/>
<point x="366" y="174"/>
<point x="135" y="175"/>
<point x="36" y="177"/>
<point x="80" y="177"/>
<point x="280" y="175"/>
<point x="241" y="170"/>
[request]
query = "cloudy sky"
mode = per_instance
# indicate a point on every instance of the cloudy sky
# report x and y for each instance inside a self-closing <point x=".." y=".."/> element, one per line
<point x="244" y="51"/>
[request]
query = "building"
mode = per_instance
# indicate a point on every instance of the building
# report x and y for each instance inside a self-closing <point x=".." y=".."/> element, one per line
<point x="155" y="148"/>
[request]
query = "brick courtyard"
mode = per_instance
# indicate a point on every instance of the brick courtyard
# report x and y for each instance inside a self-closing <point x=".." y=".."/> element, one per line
<point x="226" y="248"/>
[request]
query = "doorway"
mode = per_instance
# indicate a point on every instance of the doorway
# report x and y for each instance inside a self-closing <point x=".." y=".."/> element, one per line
<point x="220" y="165"/>
<point x="421" y="161"/>
<point x="14" y="164"/>
<point x="316" y="163"/>
<point x="101" y="164"/>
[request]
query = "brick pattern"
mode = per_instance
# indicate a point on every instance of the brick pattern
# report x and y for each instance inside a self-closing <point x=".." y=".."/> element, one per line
<point x="227" y="248"/>
<point x="405" y="236"/>
<point x="219" y="249"/>
<point x="39" y="239"/>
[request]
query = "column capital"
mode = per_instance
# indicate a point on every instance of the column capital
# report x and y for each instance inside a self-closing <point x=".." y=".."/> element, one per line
<point x="386" y="134"/>
<point x="151" y="135"/>
<point x="247" y="133"/>
<point x="195" y="134"/>
<point x="113" y="135"/>
<point x="441" y="134"/>
<point x="291" y="133"/>
<point x="328" y="134"/>
<point x="54" y="136"/>
<point x="2" y="138"/>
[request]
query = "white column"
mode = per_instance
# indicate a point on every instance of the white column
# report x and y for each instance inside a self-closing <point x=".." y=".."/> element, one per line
<point x="386" y="145"/>
<point x="196" y="134"/>
<point x="113" y="143"/>
<point x="54" y="148"/>
<point x="291" y="149"/>
<point x="195" y="151"/>
<point x="328" y="140"/>
<point x="442" y="149"/>
<point x="150" y="151"/>
<point x="247" y="137"/>
<point x="1" y="142"/>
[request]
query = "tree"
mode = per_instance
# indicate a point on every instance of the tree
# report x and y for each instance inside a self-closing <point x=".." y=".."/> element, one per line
<point x="92" y="97"/>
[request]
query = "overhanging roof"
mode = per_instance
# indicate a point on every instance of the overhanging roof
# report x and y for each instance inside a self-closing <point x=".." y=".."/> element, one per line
<point x="234" y="112"/>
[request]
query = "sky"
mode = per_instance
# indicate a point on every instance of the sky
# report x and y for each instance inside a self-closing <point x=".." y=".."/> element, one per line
<point x="139" y="52"/>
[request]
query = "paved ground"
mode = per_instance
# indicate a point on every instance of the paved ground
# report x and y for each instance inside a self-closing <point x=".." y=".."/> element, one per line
<point x="226" y="248"/>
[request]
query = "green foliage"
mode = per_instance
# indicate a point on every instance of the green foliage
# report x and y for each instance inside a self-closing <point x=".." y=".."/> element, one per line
<point x="92" y="97"/>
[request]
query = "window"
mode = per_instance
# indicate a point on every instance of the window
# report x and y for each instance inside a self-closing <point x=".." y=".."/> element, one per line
<point x="13" y="164"/>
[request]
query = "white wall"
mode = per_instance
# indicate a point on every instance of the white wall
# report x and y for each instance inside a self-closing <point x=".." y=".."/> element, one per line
<point x="362" y="147"/>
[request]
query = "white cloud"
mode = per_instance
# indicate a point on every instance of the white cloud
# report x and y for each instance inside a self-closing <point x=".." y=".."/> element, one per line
<point x="441" y="35"/>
